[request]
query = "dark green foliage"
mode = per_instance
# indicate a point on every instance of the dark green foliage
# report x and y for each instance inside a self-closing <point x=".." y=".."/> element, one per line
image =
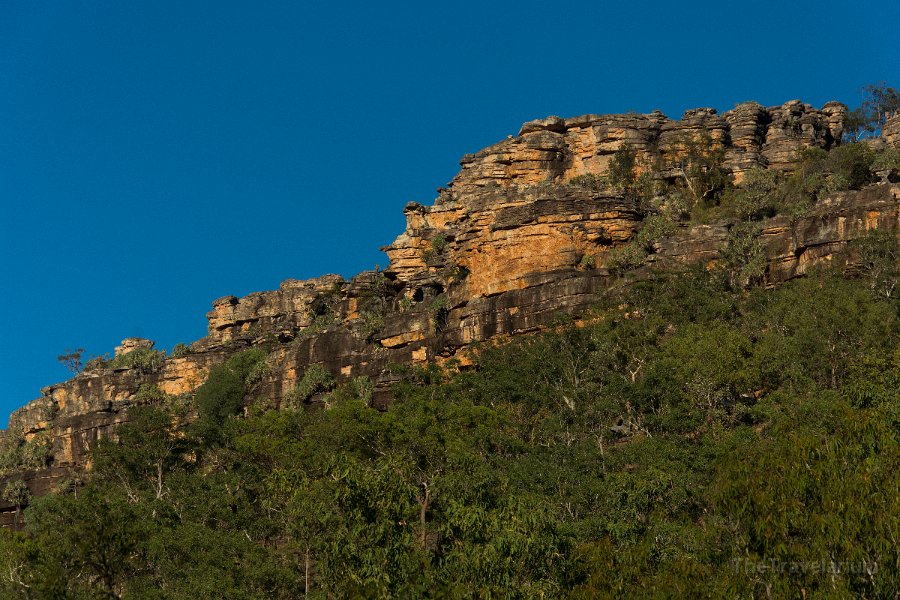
<point x="439" y="243"/>
<point x="763" y="193"/>
<point x="222" y="394"/>
<point x="439" y="312"/>
<point x="820" y="173"/>
<point x="848" y="167"/>
<point x="693" y="440"/>
<point x="370" y="323"/>
<point x="437" y="248"/>
<point x="877" y="260"/>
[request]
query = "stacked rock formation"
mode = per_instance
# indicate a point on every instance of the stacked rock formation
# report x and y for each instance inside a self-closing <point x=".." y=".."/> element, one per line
<point x="555" y="149"/>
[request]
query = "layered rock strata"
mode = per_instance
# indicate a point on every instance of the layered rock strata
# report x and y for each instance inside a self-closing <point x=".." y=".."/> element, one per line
<point x="556" y="149"/>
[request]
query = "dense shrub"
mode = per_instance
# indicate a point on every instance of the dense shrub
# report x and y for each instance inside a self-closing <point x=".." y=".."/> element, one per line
<point x="222" y="394"/>
<point x="146" y="360"/>
<point x="17" y="454"/>
<point x="631" y="255"/>
<point x="316" y="380"/>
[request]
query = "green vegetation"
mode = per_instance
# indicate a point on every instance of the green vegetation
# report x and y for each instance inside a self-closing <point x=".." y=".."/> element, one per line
<point x="149" y="393"/>
<point x="318" y="324"/>
<point x="887" y="160"/>
<point x="145" y="360"/>
<point x="96" y="363"/>
<point x="315" y="380"/>
<point x="370" y="323"/>
<point x="17" y="454"/>
<point x="222" y="394"/>
<point x="622" y="174"/>
<point x="17" y="493"/>
<point x="764" y="193"/>
<point x="622" y="168"/>
<point x="632" y="255"/>
<point x="439" y="243"/>
<point x="72" y="360"/>
<point x="437" y="248"/>
<point x="587" y="262"/>
<point x="744" y="257"/>
<point x="694" y="436"/>
<point x="699" y="165"/>
<point x="691" y="440"/>
<point x="865" y="121"/>
<point x="180" y="349"/>
<point x="589" y="181"/>
<point x="440" y="310"/>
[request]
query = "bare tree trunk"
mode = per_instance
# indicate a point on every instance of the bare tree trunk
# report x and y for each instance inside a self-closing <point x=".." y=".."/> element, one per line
<point x="306" y="573"/>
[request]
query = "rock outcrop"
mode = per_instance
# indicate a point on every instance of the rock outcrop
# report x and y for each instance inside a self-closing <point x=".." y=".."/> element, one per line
<point x="506" y="248"/>
<point x="891" y="131"/>
<point x="555" y="149"/>
<point x="129" y="345"/>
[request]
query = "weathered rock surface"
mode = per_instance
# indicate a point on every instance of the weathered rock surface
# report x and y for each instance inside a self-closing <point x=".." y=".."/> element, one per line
<point x="506" y="249"/>
<point x="891" y="131"/>
<point x="129" y="345"/>
<point x="555" y="149"/>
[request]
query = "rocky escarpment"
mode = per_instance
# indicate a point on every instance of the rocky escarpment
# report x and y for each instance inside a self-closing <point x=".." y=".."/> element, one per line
<point x="506" y="248"/>
<point x="559" y="149"/>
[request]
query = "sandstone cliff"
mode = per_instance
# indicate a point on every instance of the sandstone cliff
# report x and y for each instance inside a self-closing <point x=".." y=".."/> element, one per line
<point x="501" y="251"/>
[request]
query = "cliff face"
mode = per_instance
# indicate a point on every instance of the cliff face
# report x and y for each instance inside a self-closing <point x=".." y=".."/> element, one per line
<point x="503" y="250"/>
<point x="560" y="149"/>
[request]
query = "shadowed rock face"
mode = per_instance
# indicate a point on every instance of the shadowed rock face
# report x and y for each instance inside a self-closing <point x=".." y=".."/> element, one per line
<point x="501" y="252"/>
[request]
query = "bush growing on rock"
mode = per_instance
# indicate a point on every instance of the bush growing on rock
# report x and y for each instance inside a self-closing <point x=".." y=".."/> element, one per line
<point x="180" y="349"/>
<point x="316" y="380"/>
<point x="632" y="255"/>
<point x="888" y="159"/>
<point x="222" y="394"/>
<point x="145" y="360"/>
<point x="589" y="181"/>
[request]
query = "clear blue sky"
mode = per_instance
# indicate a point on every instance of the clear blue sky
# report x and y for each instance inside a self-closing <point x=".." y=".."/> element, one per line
<point x="157" y="155"/>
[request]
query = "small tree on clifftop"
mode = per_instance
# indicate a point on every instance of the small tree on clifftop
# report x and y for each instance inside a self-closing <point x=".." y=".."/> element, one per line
<point x="72" y="360"/>
<point x="865" y="121"/>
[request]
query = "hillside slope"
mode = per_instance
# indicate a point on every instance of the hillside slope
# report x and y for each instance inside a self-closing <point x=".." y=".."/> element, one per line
<point x="533" y="228"/>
